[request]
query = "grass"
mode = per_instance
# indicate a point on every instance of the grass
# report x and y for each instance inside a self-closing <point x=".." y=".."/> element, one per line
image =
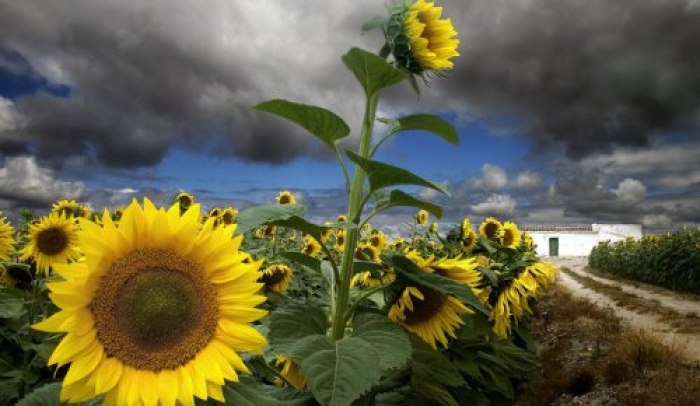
<point x="590" y="355"/>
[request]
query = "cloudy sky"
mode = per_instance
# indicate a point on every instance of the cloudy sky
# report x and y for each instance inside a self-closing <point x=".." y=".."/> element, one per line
<point x="572" y="111"/>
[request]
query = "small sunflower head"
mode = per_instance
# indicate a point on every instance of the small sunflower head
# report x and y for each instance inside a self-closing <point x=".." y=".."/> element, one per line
<point x="490" y="228"/>
<point x="215" y="212"/>
<point x="468" y="240"/>
<point x="509" y="235"/>
<point x="378" y="240"/>
<point x="68" y="208"/>
<point x="434" y="228"/>
<point x="6" y="239"/>
<point x="185" y="200"/>
<point x="367" y="252"/>
<point x="341" y="218"/>
<point x="228" y="215"/>
<point x="340" y="240"/>
<point x="422" y="217"/>
<point x="276" y="277"/>
<point x="286" y="197"/>
<point x="419" y="39"/>
<point x="311" y="247"/>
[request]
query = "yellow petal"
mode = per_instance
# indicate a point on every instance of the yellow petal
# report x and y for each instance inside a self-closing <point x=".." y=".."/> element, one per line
<point x="108" y="374"/>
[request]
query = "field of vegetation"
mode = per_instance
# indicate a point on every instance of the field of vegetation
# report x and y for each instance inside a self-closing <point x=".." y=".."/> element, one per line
<point x="669" y="260"/>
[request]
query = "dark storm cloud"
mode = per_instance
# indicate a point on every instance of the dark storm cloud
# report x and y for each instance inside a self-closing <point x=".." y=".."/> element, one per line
<point x="591" y="73"/>
<point x="142" y="77"/>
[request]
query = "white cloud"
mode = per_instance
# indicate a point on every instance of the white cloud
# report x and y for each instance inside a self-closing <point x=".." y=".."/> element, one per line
<point x="630" y="190"/>
<point x="493" y="178"/>
<point x="528" y="180"/>
<point x="23" y="179"/>
<point x="9" y="117"/>
<point x="431" y="194"/>
<point x="656" y="221"/>
<point x="496" y="205"/>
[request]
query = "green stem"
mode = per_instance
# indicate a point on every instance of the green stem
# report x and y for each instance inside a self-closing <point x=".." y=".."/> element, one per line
<point x="354" y="212"/>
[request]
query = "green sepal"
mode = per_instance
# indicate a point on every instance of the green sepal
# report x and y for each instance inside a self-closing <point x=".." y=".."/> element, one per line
<point x="372" y="71"/>
<point x="377" y="22"/>
<point x="324" y="124"/>
<point x="254" y="217"/>
<point x="383" y="175"/>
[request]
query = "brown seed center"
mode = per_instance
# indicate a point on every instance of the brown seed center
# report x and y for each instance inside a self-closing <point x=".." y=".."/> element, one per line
<point x="426" y="309"/>
<point x="52" y="241"/>
<point x="154" y="310"/>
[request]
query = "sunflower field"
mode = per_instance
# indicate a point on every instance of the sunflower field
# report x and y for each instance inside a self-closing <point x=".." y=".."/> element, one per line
<point x="175" y="305"/>
<point x="670" y="260"/>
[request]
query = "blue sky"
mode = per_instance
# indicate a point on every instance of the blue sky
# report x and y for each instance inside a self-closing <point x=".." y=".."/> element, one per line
<point x="568" y="112"/>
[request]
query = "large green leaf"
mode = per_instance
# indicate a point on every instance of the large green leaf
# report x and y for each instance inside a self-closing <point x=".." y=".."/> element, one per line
<point x="430" y="365"/>
<point x="294" y="321"/>
<point x="372" y="71"/>
<point x="323" y="124"/>
<point x="301" y="224"/>
<point x="253" y="217"/>
<point x="388" y="339"/>
<point x="427" y="122"/>
<point x="339" y="372"/>
<point x="49" y="395"/>
<point x="410" y="270"/>
<point x="383" y="175"/>
<point x="303" y="259"/>
<point x="11" y="304"/>
<point x="399" y="198"/>
<point x="250" y="392"/>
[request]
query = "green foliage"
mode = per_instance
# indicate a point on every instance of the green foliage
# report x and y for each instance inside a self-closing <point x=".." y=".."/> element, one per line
<point x="253" y="217"/>
<point x="387" y="338"/>
<point x="398" y="198"/>
<point x="49" y="395"/>
<point x="372" y="71"/>
<point x="325" y="125"/>
<point x="251" y="392"/>
<point x="670" y="260"/>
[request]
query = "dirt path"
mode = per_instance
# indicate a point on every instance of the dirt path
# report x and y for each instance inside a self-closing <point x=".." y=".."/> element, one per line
<point x="645" y="321"/>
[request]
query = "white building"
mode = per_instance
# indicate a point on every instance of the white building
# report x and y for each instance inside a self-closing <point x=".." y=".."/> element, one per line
<point x="578" y="240"/>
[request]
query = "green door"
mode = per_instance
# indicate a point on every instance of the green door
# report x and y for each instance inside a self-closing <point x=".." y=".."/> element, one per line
<point x="554" y="247"/>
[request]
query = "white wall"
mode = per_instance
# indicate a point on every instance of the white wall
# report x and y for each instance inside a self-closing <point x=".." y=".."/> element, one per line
<point x="615" y="232"/>
<point x="571" y="244"/>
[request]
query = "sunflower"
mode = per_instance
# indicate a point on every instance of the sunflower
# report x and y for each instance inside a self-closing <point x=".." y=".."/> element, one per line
<point x="434" y="228"/>
<point x="6" y="239"/>
<point x="276" y="277"/>
<point x="67" y="207"/>
<point x="527" y="243"/>
<point x="285" y="197"/>
<point x="490" y="227"/>
<point x="509" y="235"/>
<point x="339" y="240"/>
<point x="513" y="301"/>
<point x="430" y="314"/>
<point x="367" y="252"/>
<point x="228" y="216"/>
<point x="378" y="240"/>
<point x="52" y="240"/>
<point x="468" y="240"/>
<point x="419" y="39"/>
<point x="366" y="279"/>
<point x="158" y="311"/>
<point x="185" y="200"/>
<point x="311" y="247"/>
<point x="290" y="372"/>
<point x="421" y="217"/>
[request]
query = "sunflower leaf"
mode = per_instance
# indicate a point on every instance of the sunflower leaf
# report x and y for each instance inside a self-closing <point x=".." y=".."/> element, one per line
<point x="374" y="23"/>
<point x="399" y="198"/>
<point x="372" y="71"/>
<point x="429" y="365"/>
<point x="310" y="262"/>
<point x="324" y="124"/>
<point x="250" y="392"/>
<point x="301" y="224"/>
<point x="332" y="370"/>
<point x="383" y="175"/>
<point x="49" y="395"/>
<point x="11" y="304"/>
<point x="415" y="274"/>
<point x="292" y="322"/>
<point x="253" y="217"/>
<point x="388" y="339"/>
<point x="427" y="122"/>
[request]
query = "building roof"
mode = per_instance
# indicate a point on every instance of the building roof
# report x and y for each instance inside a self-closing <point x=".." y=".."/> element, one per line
<point x="559" y="227"/>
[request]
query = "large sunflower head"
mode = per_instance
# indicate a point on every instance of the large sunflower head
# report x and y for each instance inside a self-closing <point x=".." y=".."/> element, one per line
<point x="6" y="239"/>
<point x="490" y="227"/>
<point x="158" y="311"/>
<point x="52" y="240"/>
<point x="432" y="315"/>
<point x="419" y="39"/>
<point x="285" y="197"/>
<point x="276" y="277"/>
<point x="509" y="235"/>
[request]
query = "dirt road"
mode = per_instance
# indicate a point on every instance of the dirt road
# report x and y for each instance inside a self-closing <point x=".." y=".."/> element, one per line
<point x="649" y="321"/>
